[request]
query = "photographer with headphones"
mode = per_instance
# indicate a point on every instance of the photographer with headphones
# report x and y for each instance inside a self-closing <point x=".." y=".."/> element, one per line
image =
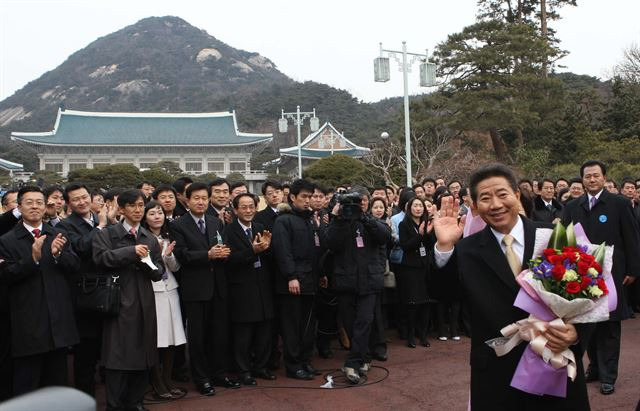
<point x="355" y="238"/>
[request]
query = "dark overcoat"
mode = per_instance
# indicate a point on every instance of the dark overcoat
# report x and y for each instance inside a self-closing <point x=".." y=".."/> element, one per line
<point x="42" y="317"/>
<point x="129" y="340"/>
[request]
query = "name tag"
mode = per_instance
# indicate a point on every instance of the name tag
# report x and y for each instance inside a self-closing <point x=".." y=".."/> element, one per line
<point x="257" y="264"/>
<point x="423" y="252"/>
<point x="359" y="242"/>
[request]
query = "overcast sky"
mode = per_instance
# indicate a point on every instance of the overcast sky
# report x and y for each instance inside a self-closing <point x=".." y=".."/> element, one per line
<point x="328" y="41"/>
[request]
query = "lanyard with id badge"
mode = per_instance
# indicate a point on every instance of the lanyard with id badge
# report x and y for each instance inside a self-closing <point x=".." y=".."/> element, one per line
<point x="359" y="239"/>
<point x="422" y="250"/>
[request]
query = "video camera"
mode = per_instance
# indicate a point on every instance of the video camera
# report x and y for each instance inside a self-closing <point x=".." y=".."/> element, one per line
<point x="350" y="205"/>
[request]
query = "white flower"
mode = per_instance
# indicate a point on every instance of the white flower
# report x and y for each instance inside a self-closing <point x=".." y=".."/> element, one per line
<point x="593" y="272"/>
<point x="595" y="291"/>
<point x="570" y="275"/>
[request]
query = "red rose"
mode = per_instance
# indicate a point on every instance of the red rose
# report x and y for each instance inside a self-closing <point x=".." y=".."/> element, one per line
<point x="571" y="256"/>
<point x="548" y="252"/>
<point x="602" y="285"/>
<point x="558" y="272"/>
<point x="586" y="282"/>
<point x="587" y="258"/>
<point x="556" y="259"/>
<point x="573" y="287"/>
<point x="597" y="267"/>
<point x="583" y="267"/>
<point x="570" y="250"/>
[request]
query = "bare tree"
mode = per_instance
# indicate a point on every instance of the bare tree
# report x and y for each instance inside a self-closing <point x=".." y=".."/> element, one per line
<point x="629" y="68"/>
<point x="384" y="158"/>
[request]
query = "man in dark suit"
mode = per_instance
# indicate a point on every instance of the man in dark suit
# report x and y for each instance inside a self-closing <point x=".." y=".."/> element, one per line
<point x="545" y="206"/>
<point x="203" y="286"/>
<point x="250" y="291"/>
<point x="483" y="267"/>
<point x="272" y="193"/>
<point x="11" y="213"/>
<point x="607" y="218"/>
<point x="37" y="259"/>
<point x="80" y="228"/>
<point x="180" y="185"/>
<point x="219" y="201"/>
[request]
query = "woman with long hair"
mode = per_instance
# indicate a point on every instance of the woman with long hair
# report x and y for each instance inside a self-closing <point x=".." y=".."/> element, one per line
<point x="413" y="271"/>
<point x="169" y="317"/>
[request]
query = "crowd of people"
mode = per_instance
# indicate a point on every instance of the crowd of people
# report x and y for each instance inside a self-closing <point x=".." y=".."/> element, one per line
<point x="222" y="286"/>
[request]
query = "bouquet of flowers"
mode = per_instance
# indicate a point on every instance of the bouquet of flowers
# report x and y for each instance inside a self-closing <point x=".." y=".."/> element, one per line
<point x="568" y="281"/>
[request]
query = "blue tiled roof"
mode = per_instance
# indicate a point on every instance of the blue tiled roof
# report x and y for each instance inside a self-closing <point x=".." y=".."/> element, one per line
<point x="122" y="129"/>
<point x="306" y="153"/>
<point x="10" y="165"/>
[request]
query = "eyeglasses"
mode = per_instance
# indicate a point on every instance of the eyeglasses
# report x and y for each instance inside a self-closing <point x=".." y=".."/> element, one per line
<point x="29" y="203"/>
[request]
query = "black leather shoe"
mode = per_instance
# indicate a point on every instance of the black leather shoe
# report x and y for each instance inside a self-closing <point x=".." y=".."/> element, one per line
<point x="226" y="382"/>
<point x="590" y="376"/>
<point x="425" y="343"/>
<point x="207" y="389"/>
<point x="264" y="374"/>
<point x="310" y="370"/>
<point x="247" y="379"/>
<point x="300" y="375"/>
<point x="380" y="356"/>
<point x="411" y="344"/>
<point x="607" y="389"/>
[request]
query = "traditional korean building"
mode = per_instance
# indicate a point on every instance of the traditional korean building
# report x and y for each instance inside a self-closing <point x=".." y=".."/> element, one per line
<point x="10" y="166"/>
<point x="198" y="142"/>
<point x="326" y="141"/>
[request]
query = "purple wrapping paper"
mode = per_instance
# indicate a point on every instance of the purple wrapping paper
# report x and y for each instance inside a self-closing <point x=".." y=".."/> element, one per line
<point x="534" y="376"/>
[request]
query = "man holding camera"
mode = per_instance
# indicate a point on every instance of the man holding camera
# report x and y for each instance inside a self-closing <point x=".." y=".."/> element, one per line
<point x="355" y="238"/>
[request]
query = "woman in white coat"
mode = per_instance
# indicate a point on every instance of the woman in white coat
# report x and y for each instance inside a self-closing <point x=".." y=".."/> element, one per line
<point x="169" y="318"/>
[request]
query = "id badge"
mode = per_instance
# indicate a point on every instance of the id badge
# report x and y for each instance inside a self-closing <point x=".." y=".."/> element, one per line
<point x="257" y="264"/>
<point x="316" y="239"/>
<point x="423" y="252"/>
<point x="359" y="242"/>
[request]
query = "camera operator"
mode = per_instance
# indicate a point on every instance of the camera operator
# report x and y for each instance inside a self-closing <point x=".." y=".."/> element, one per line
<point x="355" y="238"/>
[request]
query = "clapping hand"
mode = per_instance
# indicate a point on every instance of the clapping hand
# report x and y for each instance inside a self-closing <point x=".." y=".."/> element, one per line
<point x="421" y="229"/>
<point x="169" y="250"/>
<point x="219" y="252"/>
<point x="446" y="224"/>
<point x="36" y="248"/>
<point x="57" y="244"/>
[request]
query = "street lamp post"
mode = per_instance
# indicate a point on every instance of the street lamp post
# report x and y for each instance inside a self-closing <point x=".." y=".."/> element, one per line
<point x="298" y="118"/>
<point x="427" y="79"/>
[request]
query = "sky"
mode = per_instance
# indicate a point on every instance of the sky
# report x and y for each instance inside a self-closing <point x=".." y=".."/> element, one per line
<point x="329" y="41"/>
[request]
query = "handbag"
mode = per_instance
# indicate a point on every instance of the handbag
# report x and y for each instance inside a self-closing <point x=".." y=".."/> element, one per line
<point x="389" y="278"/>
<point x="100" y="295"/>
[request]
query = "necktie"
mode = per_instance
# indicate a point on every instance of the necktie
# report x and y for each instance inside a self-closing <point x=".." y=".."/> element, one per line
<point x="550" y="207"/>
<point x="249" y="233"/>
<point x="512" y="257"/>
<point x="201" y="225"/>
<point x="592" y="202"/>
<point x="36" y="232"/>
<point x="133" y="232"/>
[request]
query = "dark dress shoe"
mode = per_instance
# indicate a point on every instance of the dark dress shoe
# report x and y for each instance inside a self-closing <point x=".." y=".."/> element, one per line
<point x="607" y="389"/>
<point x="411" y="344"/>
<point x="247" y="379"/>
<point x="264" y="374"/>
<point x="309" y="369"/>
<point x="380" y="356"/>
<point x="226" y="382"/>
<point x="425" y="343"/>
<point x="300" y="375"/>
<point x="207" y="389"/>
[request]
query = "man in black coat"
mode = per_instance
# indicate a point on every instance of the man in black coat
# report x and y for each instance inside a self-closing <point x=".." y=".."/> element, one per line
<point x="219" y="201"/>
<point x="203" y="285"/>
<point x="545" y="206"/>
<point x="80" y="228"/>
<point x="357" y="277"/>
<point x="272" y="193"/>
<point x="250" y="291"/>
<point x="607" y="218"/>
<point x="478" y="265"/>
<point x="37" y="259"/>
<point x="297" y="248"/>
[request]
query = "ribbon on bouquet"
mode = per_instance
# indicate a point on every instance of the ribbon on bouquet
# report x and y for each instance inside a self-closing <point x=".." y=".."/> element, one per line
<point x="531" y="329"/>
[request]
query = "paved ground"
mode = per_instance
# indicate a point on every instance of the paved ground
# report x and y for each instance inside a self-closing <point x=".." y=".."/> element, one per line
<point x="433" y="378"/>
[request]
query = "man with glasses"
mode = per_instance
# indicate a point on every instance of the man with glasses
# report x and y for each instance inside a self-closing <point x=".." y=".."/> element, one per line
<point x="219" y="206"/>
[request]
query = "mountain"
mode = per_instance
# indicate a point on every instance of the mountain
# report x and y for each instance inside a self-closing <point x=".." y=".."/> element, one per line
<point x="164" y="64"/>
